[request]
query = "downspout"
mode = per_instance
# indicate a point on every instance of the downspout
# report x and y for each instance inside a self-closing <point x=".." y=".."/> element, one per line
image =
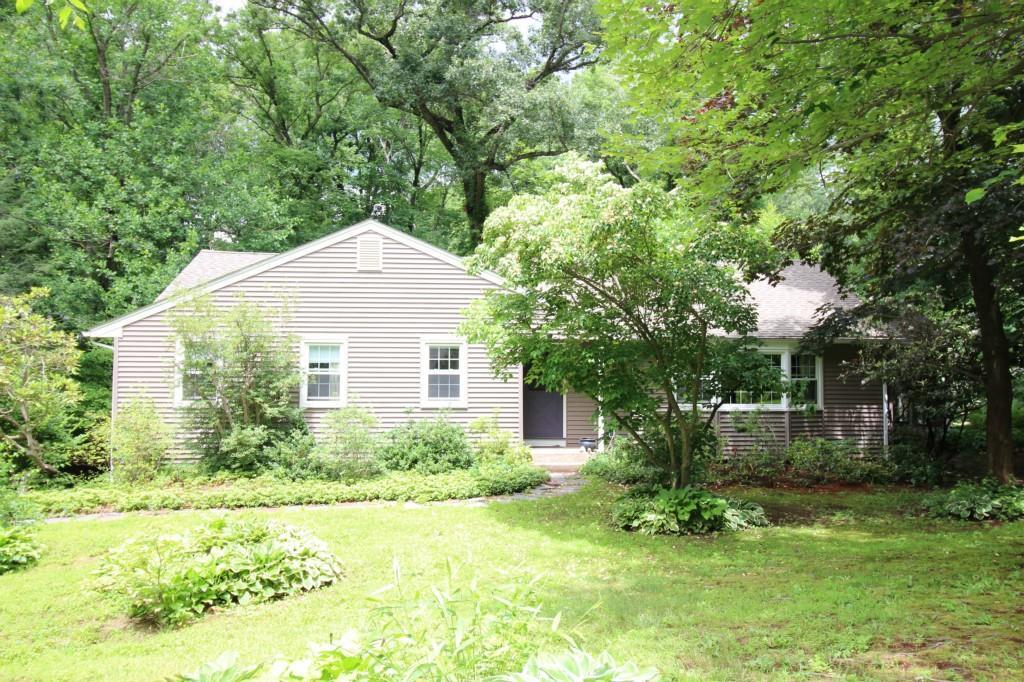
<point x="600" y="429"/>
<point x="885" y="419"/>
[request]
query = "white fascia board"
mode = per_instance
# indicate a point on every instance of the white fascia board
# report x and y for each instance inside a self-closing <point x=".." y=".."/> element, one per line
<point x="112" y="329"/>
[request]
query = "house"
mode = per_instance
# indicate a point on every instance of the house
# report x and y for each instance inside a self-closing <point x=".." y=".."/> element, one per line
<point x="376" y="313"/>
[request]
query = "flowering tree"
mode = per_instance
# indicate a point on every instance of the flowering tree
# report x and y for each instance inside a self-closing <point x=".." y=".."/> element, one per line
<point x="626" y="297"/>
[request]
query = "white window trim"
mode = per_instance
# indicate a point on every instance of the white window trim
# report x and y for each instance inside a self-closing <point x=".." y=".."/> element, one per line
<point x="305" y="341"/>
<point x="179" y="384"/>
<point x="443" y="403"/>
<point x="787" y="353"/>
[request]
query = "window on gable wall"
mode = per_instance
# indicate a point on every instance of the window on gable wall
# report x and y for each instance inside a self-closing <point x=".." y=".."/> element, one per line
<point x="323" y="364"/>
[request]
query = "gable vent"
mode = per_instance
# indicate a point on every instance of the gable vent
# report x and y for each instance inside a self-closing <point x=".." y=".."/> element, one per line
<point x="370" y="253"/>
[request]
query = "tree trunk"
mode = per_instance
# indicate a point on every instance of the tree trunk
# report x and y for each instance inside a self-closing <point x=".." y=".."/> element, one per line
<point x="34" y="451"/>
<point x="474" y="189"/>
<point x="995" y="350"/>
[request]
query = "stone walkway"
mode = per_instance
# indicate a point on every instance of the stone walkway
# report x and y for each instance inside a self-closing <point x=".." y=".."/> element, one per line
<point x="560" y="484"/>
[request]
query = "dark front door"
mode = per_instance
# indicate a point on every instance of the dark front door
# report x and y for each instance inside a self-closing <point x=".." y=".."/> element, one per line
<point x="542" y="414"/>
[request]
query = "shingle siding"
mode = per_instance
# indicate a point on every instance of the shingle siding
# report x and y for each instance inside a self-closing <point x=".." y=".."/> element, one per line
<point x="383" y="314"/>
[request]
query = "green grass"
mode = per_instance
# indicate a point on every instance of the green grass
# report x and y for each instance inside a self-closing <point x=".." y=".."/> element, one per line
<point x="851" y="587"/>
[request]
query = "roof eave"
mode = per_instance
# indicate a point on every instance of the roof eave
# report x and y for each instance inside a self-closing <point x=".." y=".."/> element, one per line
<point x="112" y="328"/>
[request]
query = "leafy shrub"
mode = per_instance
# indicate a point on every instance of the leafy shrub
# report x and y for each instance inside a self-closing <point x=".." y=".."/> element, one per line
<point x="348" y="448"/>
<point x="451" y="631"/>
<point x="579" y="666"/>
<point x="496" y="445"/>
<point x="170" y="580"/>
<point x="683" y="511"/>
<point x="622" y="464"/>
<point x="243" y="449"/>
<point x="432" y="446"/>
<point x="236" y="493"/>
<point x="817" y="460"/>
<point x="18" y="548"/>
<point x="241" y="373"/>
<point x="16" y="509"/>
<point x="984" y="501"/>
<point x="912" y="464"/>
<point x="140" y="441"/>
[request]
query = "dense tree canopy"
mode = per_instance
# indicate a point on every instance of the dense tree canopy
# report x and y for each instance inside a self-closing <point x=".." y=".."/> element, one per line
<point x="626" y="296"/>
<point x="481" y="75"/>
<point x="907" y="113"/>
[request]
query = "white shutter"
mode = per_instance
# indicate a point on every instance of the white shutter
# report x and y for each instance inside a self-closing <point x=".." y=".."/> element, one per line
<point x="370" y="253"/>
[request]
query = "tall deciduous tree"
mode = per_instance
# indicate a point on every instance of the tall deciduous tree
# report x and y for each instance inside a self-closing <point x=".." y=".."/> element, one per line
<point x="481" y="75"/>
<point x="626" y="297"/>
<point x="36" y="388"/>
<point x="900" y="108"/>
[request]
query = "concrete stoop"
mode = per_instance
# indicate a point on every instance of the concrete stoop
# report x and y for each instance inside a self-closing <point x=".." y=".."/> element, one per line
<point x="560" y="460"/>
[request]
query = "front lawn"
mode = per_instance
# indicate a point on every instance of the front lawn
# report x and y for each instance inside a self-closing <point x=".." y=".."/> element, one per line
<point x="850" y="586"/>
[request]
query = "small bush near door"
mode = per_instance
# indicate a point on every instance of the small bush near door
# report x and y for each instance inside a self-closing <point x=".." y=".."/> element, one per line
<point x="623" y="463"/>
<point x="496" y="446"/>
<point x="431" y="446"/>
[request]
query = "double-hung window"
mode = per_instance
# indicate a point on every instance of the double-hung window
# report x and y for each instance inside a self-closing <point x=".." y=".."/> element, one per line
<point x="189" y="371"/>
<point x="323" y="369"/>
<point x="804" y="379"/>
<point x="758" y="396"/>
<point x="801" y="374"/>
<point x="444" y="373"/>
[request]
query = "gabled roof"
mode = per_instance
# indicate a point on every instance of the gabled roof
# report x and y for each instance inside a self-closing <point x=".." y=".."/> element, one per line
<point x="165" y="301"/>
<point x="208" y="265"/>
<point x="789" y="309"/>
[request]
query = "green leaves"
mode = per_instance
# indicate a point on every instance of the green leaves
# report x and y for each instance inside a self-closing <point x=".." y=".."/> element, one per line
<point x="170" y="580"/>
<point x="623" y="295"/>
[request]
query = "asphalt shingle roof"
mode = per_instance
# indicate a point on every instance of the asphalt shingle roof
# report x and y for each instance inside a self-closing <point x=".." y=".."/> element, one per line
<point x="785" y="311"/>
<point x="790" y="308"/>
<point x="209" y="265"/>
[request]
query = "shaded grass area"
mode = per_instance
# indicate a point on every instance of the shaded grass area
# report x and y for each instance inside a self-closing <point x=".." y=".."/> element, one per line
<point x="851" y="588"/>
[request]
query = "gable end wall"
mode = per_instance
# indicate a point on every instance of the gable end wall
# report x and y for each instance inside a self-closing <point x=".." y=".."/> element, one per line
<point x="383" y="315"/>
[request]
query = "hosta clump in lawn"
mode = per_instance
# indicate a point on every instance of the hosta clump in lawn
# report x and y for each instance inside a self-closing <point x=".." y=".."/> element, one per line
<point x="170" y="580"/>
<point x="984" y="501"/>
<point x="684" y="511"/>
<point x="18" y="546"/>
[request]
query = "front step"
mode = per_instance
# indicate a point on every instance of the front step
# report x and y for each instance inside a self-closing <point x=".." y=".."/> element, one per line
<point x="559" y="460"/>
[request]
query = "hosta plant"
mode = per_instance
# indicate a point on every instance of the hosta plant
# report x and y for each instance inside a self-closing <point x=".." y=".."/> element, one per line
<point x="18" y="548"/>
<point x="172" y="579"/>
<point x="984" y="501"/>
<point x="683" y="511"/>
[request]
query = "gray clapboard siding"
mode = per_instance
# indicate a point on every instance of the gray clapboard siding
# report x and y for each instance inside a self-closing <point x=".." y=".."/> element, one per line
<point x="852" y="411"/>
<point x="384" y="314"/>
<point x="580" y="418"/>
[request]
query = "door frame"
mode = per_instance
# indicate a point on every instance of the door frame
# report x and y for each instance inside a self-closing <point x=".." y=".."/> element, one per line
<point x="542" y="442"/>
